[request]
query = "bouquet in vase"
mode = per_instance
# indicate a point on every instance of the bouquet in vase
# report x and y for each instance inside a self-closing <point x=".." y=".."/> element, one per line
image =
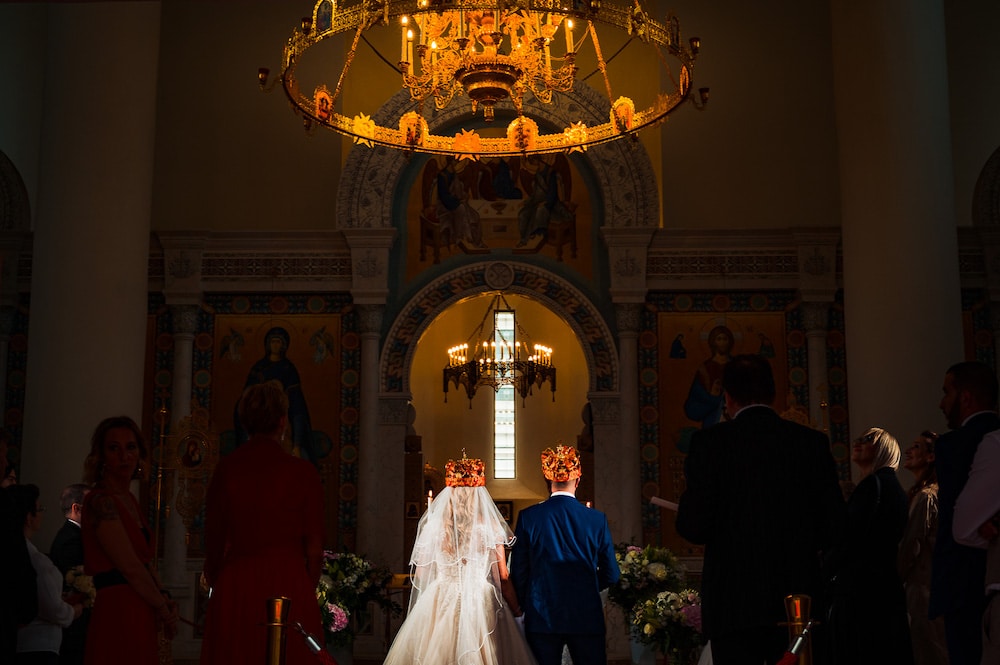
<point x="645" y="572"/>
<point x="348" y="584"/>
<point x="671" y="621"/>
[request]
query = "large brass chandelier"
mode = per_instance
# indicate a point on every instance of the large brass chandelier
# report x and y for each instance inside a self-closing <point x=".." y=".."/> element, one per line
<point x="499" y="356"/>
<point x="488" y="51"/>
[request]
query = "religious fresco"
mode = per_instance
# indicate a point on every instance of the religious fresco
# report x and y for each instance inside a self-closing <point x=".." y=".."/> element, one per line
<point x="300" y="353"/>
<point x="685" y="341"/>
<point x="308" y="343"/>
<point x="534" y="205"/>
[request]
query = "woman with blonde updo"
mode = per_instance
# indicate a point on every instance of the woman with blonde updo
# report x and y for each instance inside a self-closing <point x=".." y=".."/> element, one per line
<point x="263" y="537"/>
<point x="869" y="620"/>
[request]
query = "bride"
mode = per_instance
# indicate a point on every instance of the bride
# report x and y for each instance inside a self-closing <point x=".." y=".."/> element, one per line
<point x="463" y="604"/>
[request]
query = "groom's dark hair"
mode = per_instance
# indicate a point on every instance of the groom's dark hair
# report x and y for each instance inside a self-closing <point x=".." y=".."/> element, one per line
<point x="748" y="379"/>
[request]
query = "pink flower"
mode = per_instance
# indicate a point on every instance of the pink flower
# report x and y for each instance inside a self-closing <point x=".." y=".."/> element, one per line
<point x="692" y="616"/>
<point x="338" y="617"/>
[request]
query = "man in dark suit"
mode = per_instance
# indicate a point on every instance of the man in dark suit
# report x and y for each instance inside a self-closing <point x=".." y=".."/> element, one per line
<point x="563" y="558"/>
<point x="764" y="499"/>
<point x="958" y="571"/>
<point x="66" y="553"/>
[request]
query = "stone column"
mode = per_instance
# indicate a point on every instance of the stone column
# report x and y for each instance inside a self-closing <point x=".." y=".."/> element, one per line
<point x="621" y="507"/>
<point x="814" y="315"/>
<point x="377" y="458"/>
<point x="817" y="251"/>
<point x="902" y="300"/>
<point x="89" y="267"/>
<point x="393" y="424"/>
<point x="627" y="249"/>
<point x="185" y="319"/>
<point x="373" y="449"/>
<point x="629" y="476"/>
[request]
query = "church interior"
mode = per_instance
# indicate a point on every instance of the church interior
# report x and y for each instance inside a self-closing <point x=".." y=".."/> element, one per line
<point x="825" y="194"/>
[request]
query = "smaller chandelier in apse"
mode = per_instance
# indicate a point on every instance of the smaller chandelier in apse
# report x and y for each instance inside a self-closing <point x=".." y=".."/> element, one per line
<point x="483" y="52"/>
<point x="498" y="356"/>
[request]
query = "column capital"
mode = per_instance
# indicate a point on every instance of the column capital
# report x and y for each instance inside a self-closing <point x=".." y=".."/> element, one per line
<point x="182" y="254"/>
<point x="369" y="263"/>
<point x="817" y="252"/>
<point x="370" y="319"/>
<point x="627" y="253"/>
<point x="185" y="319"/>
<point x="627" y="318"/>
<point x="814" y="316"/>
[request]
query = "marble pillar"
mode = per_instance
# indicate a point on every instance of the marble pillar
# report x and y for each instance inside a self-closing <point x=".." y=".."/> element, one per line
<point x="814" y="316"/>
<point x="185" y="319"/>
<point x="91" y="243"/>
<point x="902" y="302"/>
<point x="371" y="453"/>
<point x="627" y="445"/>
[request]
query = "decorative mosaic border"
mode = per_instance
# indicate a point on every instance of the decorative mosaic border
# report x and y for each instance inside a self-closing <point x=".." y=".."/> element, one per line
<point x="563" y="299"/>
<point x="976" y="302"/>
<point x="797" y="359"/>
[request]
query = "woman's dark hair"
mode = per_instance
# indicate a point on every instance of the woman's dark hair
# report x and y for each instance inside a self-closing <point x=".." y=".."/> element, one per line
<point x="93" y="466"/>
<point x="262" y="408"/>
<point x="25" y="500"/>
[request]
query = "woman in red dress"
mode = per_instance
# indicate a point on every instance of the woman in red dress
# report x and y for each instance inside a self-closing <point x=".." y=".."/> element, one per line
<point x="131" y="604"/>
<point x="263" y="538"/>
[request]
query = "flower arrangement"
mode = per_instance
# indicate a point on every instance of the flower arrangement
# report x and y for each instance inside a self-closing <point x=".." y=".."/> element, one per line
<point x="80" y="585"/>
<point x="347" y="585"/>
<point x="645" y="572"/>
<point x="671" y="621"/>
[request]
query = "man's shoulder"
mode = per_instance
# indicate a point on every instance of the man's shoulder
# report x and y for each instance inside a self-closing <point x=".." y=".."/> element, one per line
<point x="68" y="531"/>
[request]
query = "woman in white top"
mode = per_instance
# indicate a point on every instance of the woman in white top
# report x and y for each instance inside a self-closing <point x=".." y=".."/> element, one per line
<point x="38" y="642"/>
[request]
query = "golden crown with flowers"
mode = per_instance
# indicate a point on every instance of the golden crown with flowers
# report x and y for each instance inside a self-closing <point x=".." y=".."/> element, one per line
<point x="561" y="465"/>
<point x="465" y="472"/>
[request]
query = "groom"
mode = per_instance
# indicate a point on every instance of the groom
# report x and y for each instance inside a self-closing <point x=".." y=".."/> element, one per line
<point x="562" y="559"/>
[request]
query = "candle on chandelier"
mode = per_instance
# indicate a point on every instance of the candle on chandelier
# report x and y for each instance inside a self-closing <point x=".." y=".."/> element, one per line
<point x="569" y="35"/>
<point x="409" y="48"/>
<point x="430" y="497"/>
<point x="405" y="20"/>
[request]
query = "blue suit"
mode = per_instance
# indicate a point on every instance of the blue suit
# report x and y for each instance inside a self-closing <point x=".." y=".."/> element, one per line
<point x="563" y="558"/>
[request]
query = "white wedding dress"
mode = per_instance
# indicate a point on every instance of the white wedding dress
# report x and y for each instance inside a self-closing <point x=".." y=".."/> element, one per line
<point x="457" y="615"/>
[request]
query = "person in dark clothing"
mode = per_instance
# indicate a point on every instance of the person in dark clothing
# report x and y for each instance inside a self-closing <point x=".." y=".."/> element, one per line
<point x="868" y="621"/>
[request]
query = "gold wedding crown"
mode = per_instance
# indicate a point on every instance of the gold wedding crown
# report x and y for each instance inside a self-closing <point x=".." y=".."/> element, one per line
<point x="465" y="472"/>
<point x="561" y="464"/>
